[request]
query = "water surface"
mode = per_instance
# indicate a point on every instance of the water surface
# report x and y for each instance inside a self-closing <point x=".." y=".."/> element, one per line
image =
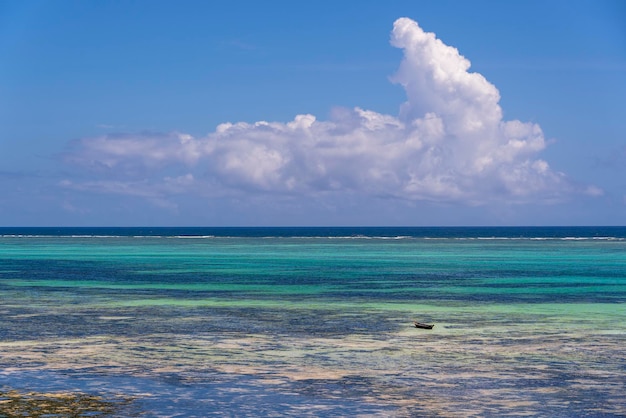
<point x="318" y="321"/>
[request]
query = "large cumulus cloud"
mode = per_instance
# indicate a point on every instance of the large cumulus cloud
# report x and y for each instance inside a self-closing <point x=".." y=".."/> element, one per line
<point x="448" y="143"/>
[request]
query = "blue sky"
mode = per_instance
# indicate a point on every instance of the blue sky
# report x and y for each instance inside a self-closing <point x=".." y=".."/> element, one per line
<point x="324" y="113"/>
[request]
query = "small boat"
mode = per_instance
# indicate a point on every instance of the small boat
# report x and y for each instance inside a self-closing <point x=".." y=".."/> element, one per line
<point x="422" y="325"/>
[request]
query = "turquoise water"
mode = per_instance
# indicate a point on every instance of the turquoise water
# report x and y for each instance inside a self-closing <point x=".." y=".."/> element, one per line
<point x="318" y="321"/>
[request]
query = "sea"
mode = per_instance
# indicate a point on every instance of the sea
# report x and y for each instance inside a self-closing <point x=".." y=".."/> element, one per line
<point x="249" y="322"/>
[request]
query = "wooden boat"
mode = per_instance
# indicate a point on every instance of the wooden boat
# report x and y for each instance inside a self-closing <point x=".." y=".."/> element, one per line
<point x="422" y="325"/>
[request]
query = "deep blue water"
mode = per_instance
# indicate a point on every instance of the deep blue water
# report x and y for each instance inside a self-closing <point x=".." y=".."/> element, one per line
<point x="416" y="232"/>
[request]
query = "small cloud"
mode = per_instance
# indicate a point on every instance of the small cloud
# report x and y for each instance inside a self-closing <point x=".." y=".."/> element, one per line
<point x="71" y="208"/>
<point x="594" y="191"/>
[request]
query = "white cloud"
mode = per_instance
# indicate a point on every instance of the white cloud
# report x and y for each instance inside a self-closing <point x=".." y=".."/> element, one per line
<point x="448" y="143"/>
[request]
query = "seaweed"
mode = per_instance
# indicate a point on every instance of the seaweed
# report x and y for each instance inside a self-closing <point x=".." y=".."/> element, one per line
<point x="64" y="404"/>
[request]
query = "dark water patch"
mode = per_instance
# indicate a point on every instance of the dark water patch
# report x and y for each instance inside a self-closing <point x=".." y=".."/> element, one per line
<point x="259" y="232"/>
<point x="346" y="387"/>
<point x="77" y="322"/>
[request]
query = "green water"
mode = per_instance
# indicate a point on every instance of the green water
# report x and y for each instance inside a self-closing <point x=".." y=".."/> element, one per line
<point x="320" y="325"/>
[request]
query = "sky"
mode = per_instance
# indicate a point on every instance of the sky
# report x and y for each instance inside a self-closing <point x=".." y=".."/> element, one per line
<point x="247" y="113"/>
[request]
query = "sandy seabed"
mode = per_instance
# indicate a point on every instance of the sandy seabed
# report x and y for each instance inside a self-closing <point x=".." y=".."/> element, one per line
<point x="463" y="367"/>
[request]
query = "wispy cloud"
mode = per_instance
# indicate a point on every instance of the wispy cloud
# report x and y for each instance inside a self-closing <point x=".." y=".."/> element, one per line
<point x="239" y="44"/>
<point x="616" y="159"/>
<point x="449" y="142"/>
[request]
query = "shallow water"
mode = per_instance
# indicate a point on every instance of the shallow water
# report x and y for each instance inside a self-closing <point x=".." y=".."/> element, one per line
<point x="319" y="321"/>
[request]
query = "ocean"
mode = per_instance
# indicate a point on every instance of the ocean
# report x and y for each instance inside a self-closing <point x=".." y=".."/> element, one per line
<point x="197" y="322"/>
